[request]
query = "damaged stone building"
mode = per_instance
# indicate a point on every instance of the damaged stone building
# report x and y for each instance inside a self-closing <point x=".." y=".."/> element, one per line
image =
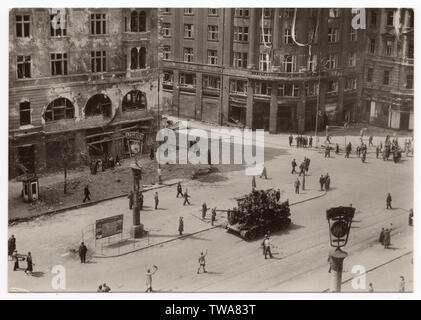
<point x="86" y="76"/>
<point x="262" y="68"/>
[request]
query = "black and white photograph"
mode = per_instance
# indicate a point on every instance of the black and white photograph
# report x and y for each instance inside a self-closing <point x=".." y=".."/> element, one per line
<point x="210" y="149"/>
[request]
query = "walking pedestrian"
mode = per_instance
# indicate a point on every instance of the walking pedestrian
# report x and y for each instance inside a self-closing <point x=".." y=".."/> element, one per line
<point x="202" y="262"/>
<point x="180" y="226"/>
<point x="307" y="164"/>
<point x="213" y="216"/>
<point x="204" y="210"/>
<point x="186" y="198"/>
<point x="302" y="168"/>
<point x="370" y="141"/>
<point x="348" y="150"/>
<point x="179" y="190"/>
<point x="322" y="182"/>
<point x="82" y="252"/>
<point x="290" y="138"/>
<point x="156" y="200"/>
<point x="377" y="152"/>
<point x="29" y="264"/>
<point x="310" y="142"/>
<point x="16" y="258"/>
<point x="402" y="284"/>
<point x="389" y="201"/>
<point x="87" y="194"/>
<point x="297" y="184"/>
<point x="266" y="247"/>
<point x="130" y="197"/>
<point x="149" y="274"/>
<point x="293" y="165"/>
<point x="11" y="245"/>
<point x="381" y="237"/>
<point x="264" y="173"/>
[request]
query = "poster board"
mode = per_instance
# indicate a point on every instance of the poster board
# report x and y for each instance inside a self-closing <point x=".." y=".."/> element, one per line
<point x="108" y="227"/>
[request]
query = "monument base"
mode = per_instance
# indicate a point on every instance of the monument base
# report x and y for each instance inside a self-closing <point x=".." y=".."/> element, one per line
<point x="137" y="231"/>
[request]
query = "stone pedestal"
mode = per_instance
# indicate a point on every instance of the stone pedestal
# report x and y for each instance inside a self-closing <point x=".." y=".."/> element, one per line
<point x="137" y="231"/>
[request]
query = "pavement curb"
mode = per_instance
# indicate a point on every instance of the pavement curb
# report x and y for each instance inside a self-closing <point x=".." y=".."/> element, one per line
<point x="82" y="205"/>
<point x="190" y="234"/>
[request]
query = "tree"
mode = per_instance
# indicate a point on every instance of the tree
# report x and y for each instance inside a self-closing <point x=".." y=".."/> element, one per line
<point x="66" y="157"/>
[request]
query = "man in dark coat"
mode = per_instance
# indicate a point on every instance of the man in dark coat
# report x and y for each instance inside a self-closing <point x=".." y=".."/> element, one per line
<point x="310" y="142"/>
<point x="130" y="197"/>
<point x="213" y="216"/>
<point x="87" y="194"/>
<point x="179" y="190"/>
<point x="156" y="200"/>
<point x="293" y="165"/>
<point x="327" y="182"/>
<point x="11" y="245"/>
<point x="307" y="164"/>
<point x="180" y="226"/>
<point x="322" y="182"/>
<point x="186" y="198"/>
<point x="29" y="264"/>
<point x="82" y="252"/>
<point x="297" y="184"/>
<point x="381" y="237"/>
<point x="302" y="168"/>
<point x="290" y="138"/>
<point x="348" y="150"/>
<point x="204" y="210"/>
<point x="389" y="201"/>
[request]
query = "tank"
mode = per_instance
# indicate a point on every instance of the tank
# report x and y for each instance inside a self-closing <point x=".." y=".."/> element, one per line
<point x="258" y="213"/>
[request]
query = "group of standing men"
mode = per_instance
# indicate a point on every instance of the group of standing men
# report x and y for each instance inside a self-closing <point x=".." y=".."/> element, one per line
<point x="301" y="141"/>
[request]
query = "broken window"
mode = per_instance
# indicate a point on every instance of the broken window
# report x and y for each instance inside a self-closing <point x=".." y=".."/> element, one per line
<point x="58" y="64"/>
<point x="98" y="23"/>
<point x="58" y="25"/>
<point x="138" y="58"/>
<point x="134" y="100"/>
<point x="187" y="80"/>
<point x="25" y="113"/>
<point x="59" y="109"/>
<point x="24" y="67"/>
<point x="98" y="61"/>
<point x="238" y="87"/>
<point x="138" y="21"/>
<point x="22" y="26"/>
<point x="98" y="104"/>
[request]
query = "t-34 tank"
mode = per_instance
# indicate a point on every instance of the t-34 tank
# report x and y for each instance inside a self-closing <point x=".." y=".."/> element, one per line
<point x="258" y="213"/>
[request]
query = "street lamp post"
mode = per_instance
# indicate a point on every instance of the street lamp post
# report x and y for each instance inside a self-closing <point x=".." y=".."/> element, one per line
<point x="339" y="219"/>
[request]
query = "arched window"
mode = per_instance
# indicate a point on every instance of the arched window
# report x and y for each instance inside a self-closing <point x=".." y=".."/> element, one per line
<point x="142" y="21"/>
<point x="98" y="104"/>
<point x="134" y="22"/>
<point x="142" y="58"/>
<point x="59" y="109"/>
<point x="134" y="100"/>
<point x="138" y="21"/>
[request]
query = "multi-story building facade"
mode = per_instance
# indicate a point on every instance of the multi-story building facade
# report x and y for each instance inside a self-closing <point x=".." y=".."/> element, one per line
<point x="263" y="68"/>
<point x="88" y="74"/>
<point x="388" y="96"/>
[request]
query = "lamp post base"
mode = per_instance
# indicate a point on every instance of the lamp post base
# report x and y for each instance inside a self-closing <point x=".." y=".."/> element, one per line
<point x="336" y="259"/>
<point x="137" y="231"/>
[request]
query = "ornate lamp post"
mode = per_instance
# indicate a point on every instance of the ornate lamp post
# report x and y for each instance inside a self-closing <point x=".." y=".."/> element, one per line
<point x="339" y="219"/>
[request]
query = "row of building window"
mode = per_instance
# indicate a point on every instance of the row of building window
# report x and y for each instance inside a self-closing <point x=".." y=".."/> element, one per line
<point x="389" y="47"/>
<point x="59" y="62"/>
<point x="288" y="62"/>
<point x="98" y="24"/>
<point x="241" y="34"/>
<point x="188" y="80"/>
<point x="386" y="78"/>
<point x="267" y="12"/>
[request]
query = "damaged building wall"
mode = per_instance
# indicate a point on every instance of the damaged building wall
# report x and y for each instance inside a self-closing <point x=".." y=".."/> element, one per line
<point x="58" y="102"/>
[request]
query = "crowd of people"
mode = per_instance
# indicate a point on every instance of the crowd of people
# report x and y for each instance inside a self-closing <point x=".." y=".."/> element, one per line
<point x="108" y="162"/>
